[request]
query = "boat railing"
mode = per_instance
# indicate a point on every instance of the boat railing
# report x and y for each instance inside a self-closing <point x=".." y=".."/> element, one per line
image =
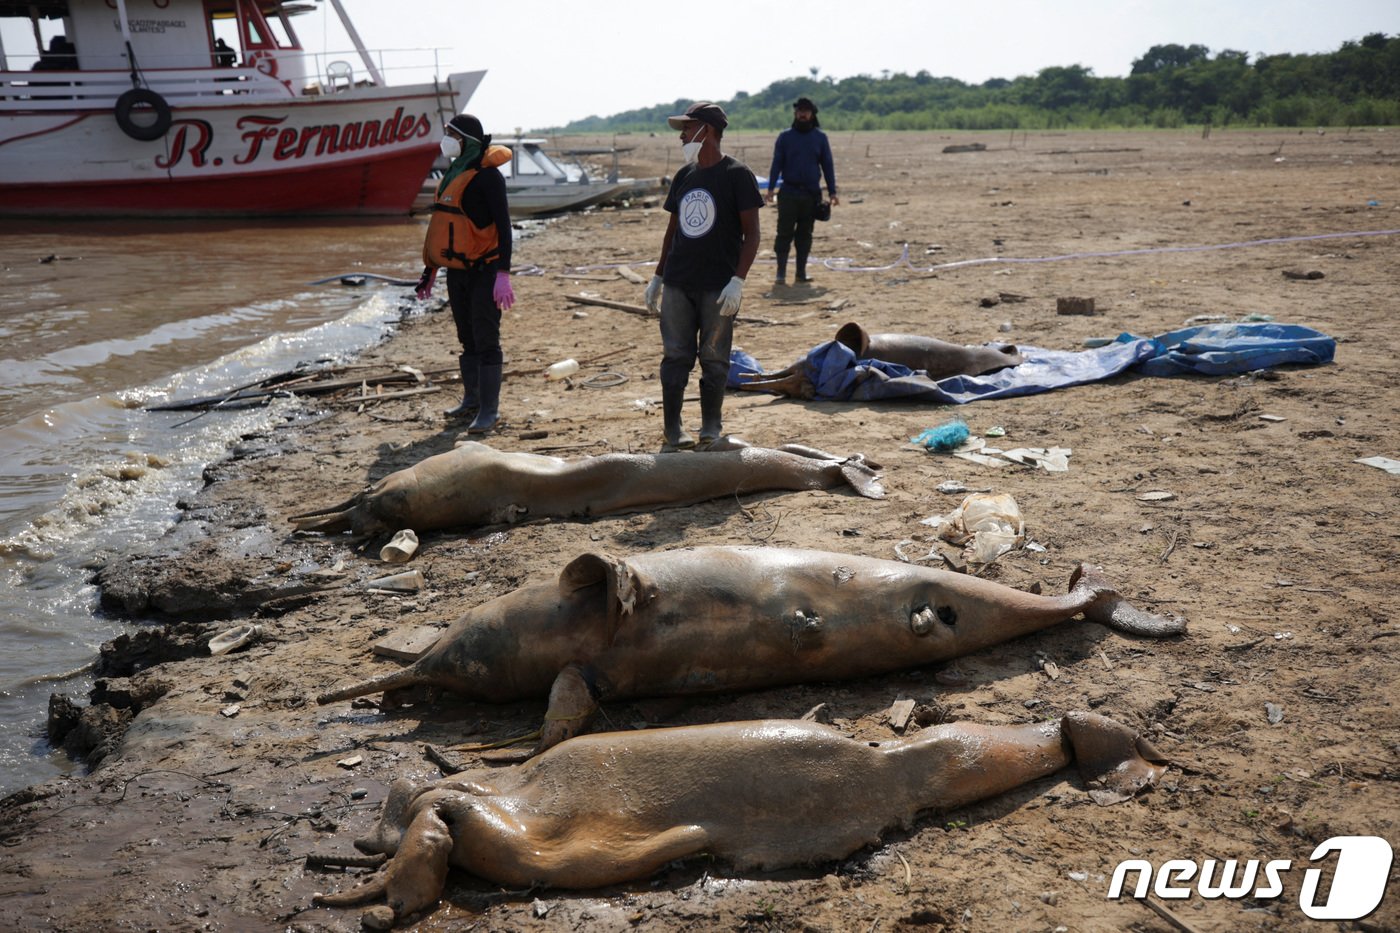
<point x="67" y="90"/>
<point x="297" y="74"/>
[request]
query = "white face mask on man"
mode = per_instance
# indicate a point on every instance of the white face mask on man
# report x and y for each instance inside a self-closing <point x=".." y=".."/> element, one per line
<point x="451" y="146"/>
<point x="691" y="150"/>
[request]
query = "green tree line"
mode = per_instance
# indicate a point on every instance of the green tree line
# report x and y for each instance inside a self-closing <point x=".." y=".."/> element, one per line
<point x="1169" y="86"/>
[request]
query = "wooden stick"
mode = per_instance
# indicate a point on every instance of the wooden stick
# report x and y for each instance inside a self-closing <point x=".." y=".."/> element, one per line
<point x="445" y="764"/>
<point x="1168" y="916"/>
<point x="345" y="861"/>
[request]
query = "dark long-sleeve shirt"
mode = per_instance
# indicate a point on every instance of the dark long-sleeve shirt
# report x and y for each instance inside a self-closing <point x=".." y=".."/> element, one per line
<point x="800" y="160"/>
<point x="484" y="203"/>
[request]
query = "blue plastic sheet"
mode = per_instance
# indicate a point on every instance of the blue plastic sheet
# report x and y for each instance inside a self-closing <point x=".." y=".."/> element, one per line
<point x="1214" y="349"/>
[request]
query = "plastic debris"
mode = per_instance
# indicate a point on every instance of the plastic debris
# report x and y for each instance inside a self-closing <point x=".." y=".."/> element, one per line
<point x="986" y="526"/>
<point x="947" y="436"/>
<point x="400" y="548"/>
<point x="1383" y="463"/>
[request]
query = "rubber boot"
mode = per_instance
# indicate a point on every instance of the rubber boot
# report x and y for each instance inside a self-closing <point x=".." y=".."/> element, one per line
<point x="489" y="392"/>
<point x="672" y="397"/>
<point x="711" y="412"/>
<point x="802" y="277"/>
<point x="469" y="366"/>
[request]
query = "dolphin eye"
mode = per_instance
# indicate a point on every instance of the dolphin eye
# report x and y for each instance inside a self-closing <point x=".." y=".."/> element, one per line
<point x="947" y="615"/>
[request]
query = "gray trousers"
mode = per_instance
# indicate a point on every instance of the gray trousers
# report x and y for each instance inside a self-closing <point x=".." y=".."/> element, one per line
<point x="692" y="328"/>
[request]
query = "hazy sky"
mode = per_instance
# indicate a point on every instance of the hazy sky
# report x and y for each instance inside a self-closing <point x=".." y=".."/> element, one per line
<point x="551" y="62"/>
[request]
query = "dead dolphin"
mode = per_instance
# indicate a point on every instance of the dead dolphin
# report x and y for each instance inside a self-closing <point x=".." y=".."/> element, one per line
<point x="477" y="485"/>
<point x="613" y="807"/>
<point x="937" y="358"/>
<point x="712" y="619"/>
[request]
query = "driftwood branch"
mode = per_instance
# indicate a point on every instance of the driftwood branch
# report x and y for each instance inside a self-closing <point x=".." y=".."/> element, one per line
<point x="346" y="861"/>
<point x="643" y="311"/>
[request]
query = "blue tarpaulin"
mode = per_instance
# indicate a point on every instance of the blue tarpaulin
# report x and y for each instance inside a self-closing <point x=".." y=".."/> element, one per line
<point x="1214" y="350"/>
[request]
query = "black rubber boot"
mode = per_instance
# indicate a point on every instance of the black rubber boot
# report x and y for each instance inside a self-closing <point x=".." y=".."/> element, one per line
<point x="469" y="366"/>
<point x="711" y="412"/>
<point x="672" y="397"/>
<point x="489" y="392"/>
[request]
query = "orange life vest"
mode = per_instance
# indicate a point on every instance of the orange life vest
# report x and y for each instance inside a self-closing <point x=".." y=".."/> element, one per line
<point x="453" y="241"/>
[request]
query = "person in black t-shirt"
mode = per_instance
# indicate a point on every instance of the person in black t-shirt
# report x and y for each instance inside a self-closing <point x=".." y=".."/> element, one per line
<point x="710" y="244"/>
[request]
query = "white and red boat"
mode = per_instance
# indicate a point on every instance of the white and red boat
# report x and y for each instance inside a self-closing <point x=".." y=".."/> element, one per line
<point x="203" y="108"/>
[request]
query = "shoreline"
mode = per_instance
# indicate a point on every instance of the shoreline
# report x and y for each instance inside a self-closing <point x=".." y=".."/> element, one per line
<point x="203" y="812"/>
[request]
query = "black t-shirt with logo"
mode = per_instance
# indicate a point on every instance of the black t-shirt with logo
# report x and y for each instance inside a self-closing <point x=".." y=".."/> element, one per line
<point x="707" y="202"/>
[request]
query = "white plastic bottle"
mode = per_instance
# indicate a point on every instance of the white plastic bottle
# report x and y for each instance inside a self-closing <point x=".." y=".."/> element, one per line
<point x="561" y="369"/>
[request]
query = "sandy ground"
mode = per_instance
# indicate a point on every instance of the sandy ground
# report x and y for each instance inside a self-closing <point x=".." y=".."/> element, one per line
<point x="1277" y="547"/>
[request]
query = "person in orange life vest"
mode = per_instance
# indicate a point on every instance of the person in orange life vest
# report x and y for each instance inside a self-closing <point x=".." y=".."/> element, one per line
<point x="801" y="156"/>
<point x="469" y="234"/>
<point x="710" y="243"/>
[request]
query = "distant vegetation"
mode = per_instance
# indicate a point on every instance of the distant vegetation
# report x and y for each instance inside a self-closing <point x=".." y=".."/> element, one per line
<point x="1170" y="86"/>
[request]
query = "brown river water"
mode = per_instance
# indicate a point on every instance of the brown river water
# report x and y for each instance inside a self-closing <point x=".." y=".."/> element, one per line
<point x="98" y="320"/>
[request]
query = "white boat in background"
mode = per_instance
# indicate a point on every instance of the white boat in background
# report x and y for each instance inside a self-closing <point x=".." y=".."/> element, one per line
<point x="200" y="108"/>
<point x="537" y="184"/>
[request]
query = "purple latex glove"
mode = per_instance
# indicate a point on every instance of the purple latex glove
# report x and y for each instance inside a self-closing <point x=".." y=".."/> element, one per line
<point x="503" y="294"/>
<point x="425" y="283"/>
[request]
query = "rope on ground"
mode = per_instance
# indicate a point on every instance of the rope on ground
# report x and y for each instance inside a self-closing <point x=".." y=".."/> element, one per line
<point x="606" y="380"/>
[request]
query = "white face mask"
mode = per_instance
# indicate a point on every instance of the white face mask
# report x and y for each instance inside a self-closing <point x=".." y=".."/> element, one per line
<point x="691" y="150"/>
<point x="451" y="146"/>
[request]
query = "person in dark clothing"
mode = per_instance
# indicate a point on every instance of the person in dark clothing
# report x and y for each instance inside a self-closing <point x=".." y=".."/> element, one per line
<point x="224" y="55"/>
<point x="710" y="243"/>
<point x="469" y="234"/>
<point x="801" y="156"/>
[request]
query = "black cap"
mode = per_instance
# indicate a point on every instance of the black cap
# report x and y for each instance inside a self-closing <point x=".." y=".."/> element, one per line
<point x="467" y="125"/>
<point x="805" y="103"/>
<point x="704" y="111"/>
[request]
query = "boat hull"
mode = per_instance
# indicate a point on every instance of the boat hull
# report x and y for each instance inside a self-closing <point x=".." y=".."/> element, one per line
<point x="360" y="153"/>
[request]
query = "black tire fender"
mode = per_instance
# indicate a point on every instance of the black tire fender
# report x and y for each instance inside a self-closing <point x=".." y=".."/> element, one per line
<point x="144" y="99"/>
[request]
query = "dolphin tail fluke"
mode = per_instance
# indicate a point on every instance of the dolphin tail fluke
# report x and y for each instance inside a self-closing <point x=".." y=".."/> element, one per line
<point x="1114" y="761"/>
<point x="862" y="477"/>
<point x="1111" y="609"/>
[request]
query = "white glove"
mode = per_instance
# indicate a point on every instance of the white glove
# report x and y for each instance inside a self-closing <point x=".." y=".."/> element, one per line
<point x="653" y="295"/>
<point x="730" y="296"/>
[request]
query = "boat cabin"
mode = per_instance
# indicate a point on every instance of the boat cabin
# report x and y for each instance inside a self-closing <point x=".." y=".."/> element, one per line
<point x="180" y="49"/>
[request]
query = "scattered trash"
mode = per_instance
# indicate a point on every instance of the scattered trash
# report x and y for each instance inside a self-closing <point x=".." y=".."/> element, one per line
<point x="947" y="436"/>
<point x="1206" y="319"/>
<point x="985" y="526"/>
<point x="1310" y="275"/>
<point x="1096" y="342"/>
<point x="1274" y="712"/>
<point x="1255" y="317"/>
<point x="1272" y="418"/>
<point x="995" y="431"/>
<point x="952" y="487"/>
<point x="1158" y="495"/>
<point x="410" y="581"/>
<point x="400" y="547"/>
<point x="1004" y="327"/>
<point x="234" y="638"/>
<point x="1079" y="876"/>
<point x="1280" y="636"/>
<point x="899" y="713"/>
<point x="561" y="369"/>
<point x="1074" y="306"/>
<point x="354" y="761"/>
<point x="1383" y="463"/>
<point x="228" y="712"/>
<point x="1050" y="459"/>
